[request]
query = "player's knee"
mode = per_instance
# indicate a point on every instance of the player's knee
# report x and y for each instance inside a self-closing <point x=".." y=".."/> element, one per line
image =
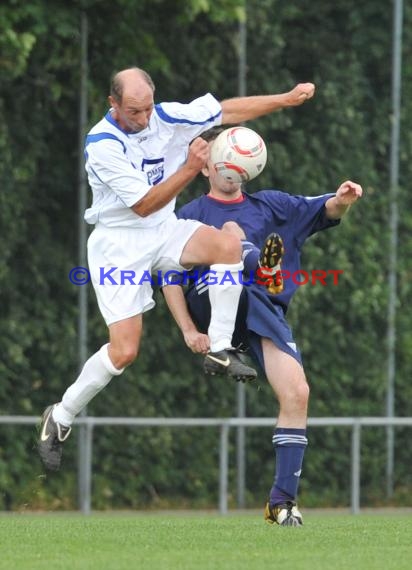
<point x="229" y="249"/>
<point x="234" y="228"/>
<point x="301" y="395"/>
<point x="129" y="355"/>
<point x="125" y="356"/>
<point x="294" y="397"/>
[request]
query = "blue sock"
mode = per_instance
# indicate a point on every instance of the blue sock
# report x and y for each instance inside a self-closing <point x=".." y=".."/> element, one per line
<point x="289" y="445"/>
<point x="250" y="257"/>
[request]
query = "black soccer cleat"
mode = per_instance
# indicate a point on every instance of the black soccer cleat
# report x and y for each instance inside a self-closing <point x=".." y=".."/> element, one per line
<point x="228" y="363"/>
<point x="286" y="514"/>
<point x="52" y="437"/>
<point x="270" y="261"/>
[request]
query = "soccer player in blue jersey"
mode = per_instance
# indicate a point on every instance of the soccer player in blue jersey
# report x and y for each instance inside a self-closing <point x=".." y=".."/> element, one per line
<point x="139" y="157"/>
<point x="274" y="226"/>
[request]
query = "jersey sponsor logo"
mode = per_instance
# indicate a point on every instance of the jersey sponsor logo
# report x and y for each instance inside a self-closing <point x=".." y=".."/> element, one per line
<point x="154" y="169"/>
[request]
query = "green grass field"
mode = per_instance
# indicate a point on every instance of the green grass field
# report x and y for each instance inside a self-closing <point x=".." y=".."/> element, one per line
<point x="203" y="542"/>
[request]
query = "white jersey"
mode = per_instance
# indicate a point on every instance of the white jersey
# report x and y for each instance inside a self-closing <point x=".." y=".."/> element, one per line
<point x="122" y="167"/>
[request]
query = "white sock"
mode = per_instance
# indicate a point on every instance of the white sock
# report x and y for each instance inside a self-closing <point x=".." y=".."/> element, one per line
<point x="224" y="302"/>
<point x="95" y="375"/>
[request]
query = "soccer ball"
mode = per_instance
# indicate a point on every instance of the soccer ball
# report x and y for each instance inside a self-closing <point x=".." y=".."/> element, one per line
<point x="238" y="154"/>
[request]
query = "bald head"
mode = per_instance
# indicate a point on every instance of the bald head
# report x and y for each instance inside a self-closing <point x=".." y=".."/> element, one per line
<point x="130" y="80"/>
<point x="131" y="98"/>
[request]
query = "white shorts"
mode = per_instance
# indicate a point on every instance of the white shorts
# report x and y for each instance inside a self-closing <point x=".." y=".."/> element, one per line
<point x="121" y="261"/>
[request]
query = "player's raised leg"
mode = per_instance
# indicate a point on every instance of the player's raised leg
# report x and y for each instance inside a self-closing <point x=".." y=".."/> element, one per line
<point x="264" y="263"/>
<point x="222" y="252"/>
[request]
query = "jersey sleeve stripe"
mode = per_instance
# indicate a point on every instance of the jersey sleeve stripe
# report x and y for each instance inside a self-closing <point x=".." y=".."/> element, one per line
<point x="174" y="120"/>
<point x="101" y="136"/>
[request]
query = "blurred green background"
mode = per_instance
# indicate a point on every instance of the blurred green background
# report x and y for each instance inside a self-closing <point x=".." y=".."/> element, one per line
<point x="191" y="47"/>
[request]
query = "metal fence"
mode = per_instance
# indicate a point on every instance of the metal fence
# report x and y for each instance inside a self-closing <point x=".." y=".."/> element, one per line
<point x="88" y="424"/>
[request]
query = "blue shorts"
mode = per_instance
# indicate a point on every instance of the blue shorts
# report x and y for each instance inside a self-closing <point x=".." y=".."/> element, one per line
<point x="258" y="317"/>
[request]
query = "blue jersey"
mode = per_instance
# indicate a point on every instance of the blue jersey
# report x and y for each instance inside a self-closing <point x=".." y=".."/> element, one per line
<point x="294" y="218"/>
<point x="260" y="314"/>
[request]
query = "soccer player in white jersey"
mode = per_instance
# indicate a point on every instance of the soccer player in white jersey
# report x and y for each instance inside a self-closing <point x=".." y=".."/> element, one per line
<point x="139" y="157"/>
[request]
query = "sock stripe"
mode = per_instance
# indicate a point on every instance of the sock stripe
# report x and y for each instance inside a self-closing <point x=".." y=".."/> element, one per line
<point x="289" y="439"/>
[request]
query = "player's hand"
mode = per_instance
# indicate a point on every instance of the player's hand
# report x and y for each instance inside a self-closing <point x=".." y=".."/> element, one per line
<point x="300" y="93"/>
<point x="198" y="154"/>
<point x="197" y="342"/>
<point x="348" y="192"/>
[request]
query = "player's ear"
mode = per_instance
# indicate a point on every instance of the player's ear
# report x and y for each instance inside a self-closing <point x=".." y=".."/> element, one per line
<point x="205" y="171"/>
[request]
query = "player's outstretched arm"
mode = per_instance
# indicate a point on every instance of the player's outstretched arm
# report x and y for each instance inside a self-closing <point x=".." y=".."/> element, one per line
<point x="346" y="195"/>
<point x="175" y="299"/>
<point x="241" y="109"/>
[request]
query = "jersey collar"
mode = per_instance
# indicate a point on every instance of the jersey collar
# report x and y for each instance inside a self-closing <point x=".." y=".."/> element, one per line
<point x="241" y="198"/>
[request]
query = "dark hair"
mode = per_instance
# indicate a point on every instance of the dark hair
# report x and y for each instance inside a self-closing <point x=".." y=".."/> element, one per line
<point x="116" y="83"/>
<point x="212" y="133"/>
